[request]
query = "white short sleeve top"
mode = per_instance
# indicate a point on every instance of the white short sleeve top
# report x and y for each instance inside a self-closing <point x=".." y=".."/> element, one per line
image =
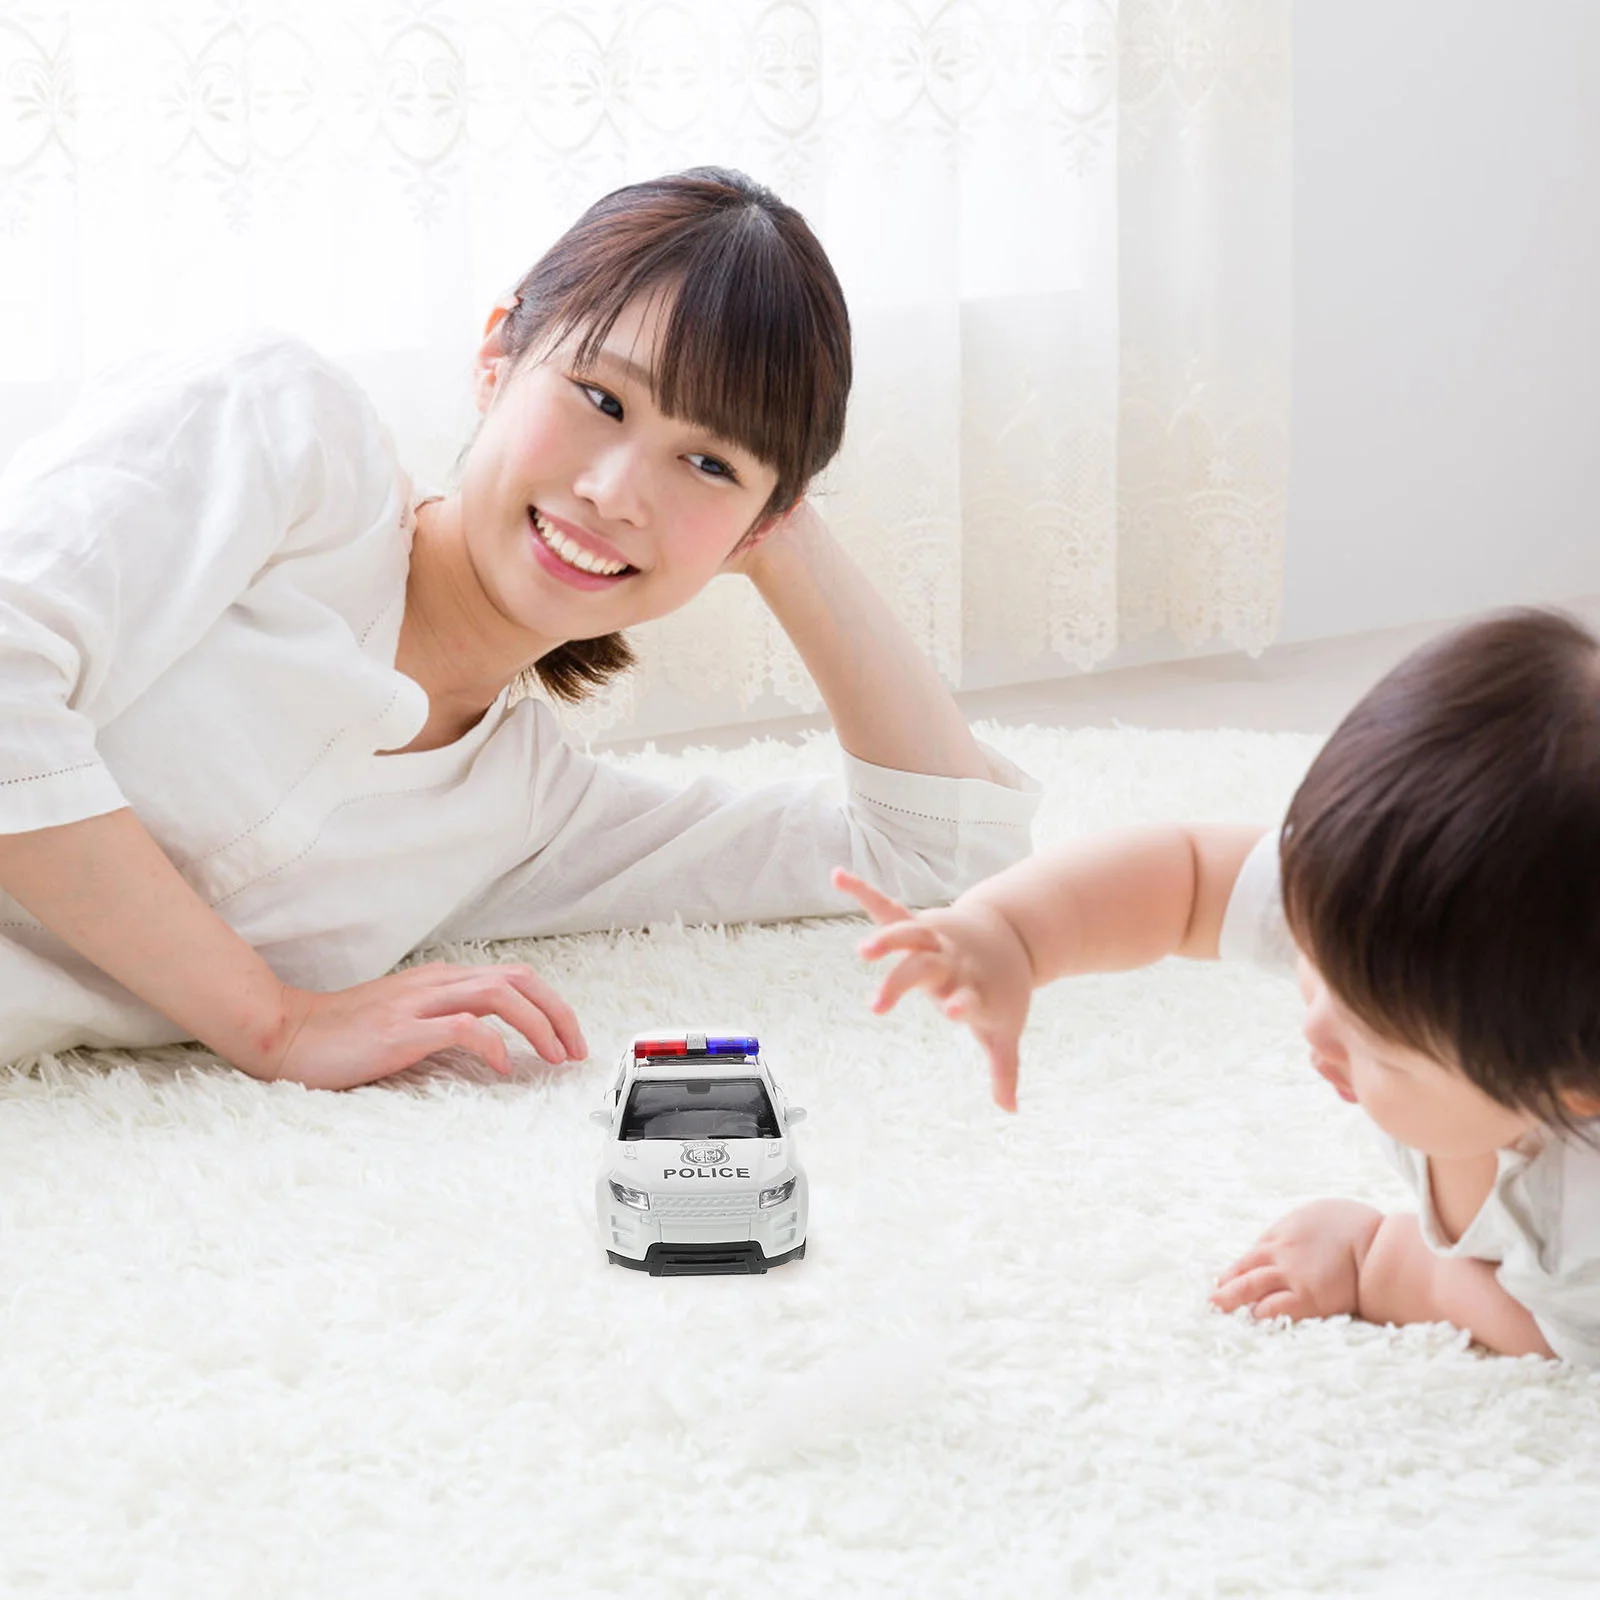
<point x="202" y="580"/>
<point x="1540" y="1224"/>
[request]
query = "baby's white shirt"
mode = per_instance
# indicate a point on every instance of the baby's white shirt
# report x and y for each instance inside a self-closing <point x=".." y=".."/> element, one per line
<point x="202" y="581"/>
<point x="1540" y="1224"/>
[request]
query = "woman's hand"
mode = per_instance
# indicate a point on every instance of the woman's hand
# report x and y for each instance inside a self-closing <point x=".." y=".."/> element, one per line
<point x="758" y="542"/>
<point x="358" y="1035"/>
<point x="970" y="960"/>
<point x="1307" y="1264"/>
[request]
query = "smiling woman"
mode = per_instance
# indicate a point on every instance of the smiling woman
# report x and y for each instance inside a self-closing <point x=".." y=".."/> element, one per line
<point x="259" y="729"/>
<point x="583" y="508"/>
<point x="678" y="362"/>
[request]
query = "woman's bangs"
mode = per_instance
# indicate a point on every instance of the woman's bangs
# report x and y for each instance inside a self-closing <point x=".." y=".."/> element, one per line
<point x="737" y="354"/>
<point x="735" y="359"/>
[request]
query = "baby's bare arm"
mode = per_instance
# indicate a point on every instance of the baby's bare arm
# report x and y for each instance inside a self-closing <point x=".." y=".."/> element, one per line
<point x="1102" y="904"/>
<point x="1337" y="1256"/>
<point x="1402" y="1281"/>
<point x="1119" y="900"/>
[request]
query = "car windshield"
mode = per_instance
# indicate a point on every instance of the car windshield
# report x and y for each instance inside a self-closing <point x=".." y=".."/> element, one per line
<point x="699" y="1108"/>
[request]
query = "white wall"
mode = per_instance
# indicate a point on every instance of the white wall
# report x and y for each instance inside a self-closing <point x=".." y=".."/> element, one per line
<point x="1446" y="384"/>
<point x="1446" y="378"/>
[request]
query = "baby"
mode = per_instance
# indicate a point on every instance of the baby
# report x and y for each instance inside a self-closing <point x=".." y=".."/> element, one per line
<point x="1436" y="889"/>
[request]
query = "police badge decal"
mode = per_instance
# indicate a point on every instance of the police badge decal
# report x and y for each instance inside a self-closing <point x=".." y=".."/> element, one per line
<point x="703" y="1155"/>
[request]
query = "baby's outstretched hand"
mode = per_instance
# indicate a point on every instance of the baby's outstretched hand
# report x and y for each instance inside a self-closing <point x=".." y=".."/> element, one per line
<point x="970" y="960"/>
<point x="1307" y="1264"/>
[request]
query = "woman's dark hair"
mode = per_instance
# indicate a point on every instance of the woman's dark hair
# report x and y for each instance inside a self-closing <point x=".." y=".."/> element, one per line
<point x="756" y="346"/>
<point x="1441" y="859"/>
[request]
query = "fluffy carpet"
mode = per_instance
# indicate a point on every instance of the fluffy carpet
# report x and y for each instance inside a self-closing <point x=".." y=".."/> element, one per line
<point x="264" y="1342"/>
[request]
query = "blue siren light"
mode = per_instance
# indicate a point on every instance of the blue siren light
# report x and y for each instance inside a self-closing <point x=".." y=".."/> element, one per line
<point x="733" y="1047"/>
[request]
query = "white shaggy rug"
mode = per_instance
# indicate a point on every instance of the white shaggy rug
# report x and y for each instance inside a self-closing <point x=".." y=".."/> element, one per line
<point x="264" y="1342"/>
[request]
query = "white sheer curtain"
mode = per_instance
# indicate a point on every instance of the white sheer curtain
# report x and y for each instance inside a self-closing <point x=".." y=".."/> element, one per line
<point x="1063" y="227"/>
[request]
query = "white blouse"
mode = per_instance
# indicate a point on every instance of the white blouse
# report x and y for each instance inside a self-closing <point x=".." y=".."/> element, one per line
<point x="1540" y="1224"/>
<point x="202" y="579"/>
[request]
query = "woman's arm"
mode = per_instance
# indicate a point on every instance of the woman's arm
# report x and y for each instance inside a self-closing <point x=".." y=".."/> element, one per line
<point x="106" y="887"/>
<point x="888" y="705"/>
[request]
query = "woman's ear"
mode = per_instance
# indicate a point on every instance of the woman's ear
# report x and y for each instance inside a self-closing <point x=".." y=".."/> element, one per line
<point x="492" y="362"/>
<point x="769" y="523"/>
<point x="764" y="528"/>
<point x="759" y="529"/>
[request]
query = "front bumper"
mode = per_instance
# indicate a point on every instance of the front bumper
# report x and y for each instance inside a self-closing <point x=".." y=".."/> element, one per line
<point x="726" y="1232"/>
<point x="738" y="1256"/>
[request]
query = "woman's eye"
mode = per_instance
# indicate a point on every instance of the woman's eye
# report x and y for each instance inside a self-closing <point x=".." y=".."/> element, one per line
<point x="602" y="400"/>
<point x="713" y="467"/>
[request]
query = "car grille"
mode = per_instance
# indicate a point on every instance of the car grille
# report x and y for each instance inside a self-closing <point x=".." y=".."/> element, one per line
<point x="703" y="1207"/>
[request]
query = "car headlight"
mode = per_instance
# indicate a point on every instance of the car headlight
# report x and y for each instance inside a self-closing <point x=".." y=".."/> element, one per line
<point x="624" y="1196"/>
<point x="774" y="1196"/>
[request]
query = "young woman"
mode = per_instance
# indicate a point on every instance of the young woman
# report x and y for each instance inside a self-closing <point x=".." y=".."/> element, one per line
<point x="257" y="738"/>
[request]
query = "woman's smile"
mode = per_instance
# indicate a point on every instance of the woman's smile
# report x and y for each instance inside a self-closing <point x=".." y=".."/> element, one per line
<point x="575" y="555"/>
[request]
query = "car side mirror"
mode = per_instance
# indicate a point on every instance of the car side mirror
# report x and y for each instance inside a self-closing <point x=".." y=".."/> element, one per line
<point x="796" y="1114"/>
<point x="602" y="1116"/>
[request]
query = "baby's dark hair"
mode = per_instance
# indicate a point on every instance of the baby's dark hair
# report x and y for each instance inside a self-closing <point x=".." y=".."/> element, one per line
<point x="1441" y="859"/>
<point x="756" y="346"/>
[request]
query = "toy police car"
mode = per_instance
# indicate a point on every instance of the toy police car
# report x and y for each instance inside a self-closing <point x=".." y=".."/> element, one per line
<point x="699" y="1172"/>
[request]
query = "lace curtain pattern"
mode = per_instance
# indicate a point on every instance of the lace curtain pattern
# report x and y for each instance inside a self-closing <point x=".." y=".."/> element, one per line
<point x="1062" y="225"/>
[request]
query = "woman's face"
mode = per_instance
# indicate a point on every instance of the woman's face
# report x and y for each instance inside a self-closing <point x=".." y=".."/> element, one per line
<point x="1424" y="1103"/>
<point x="585" y="508"/>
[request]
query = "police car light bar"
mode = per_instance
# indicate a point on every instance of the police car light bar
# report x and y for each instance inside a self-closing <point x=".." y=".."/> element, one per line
<point x="646" y="1049"/>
